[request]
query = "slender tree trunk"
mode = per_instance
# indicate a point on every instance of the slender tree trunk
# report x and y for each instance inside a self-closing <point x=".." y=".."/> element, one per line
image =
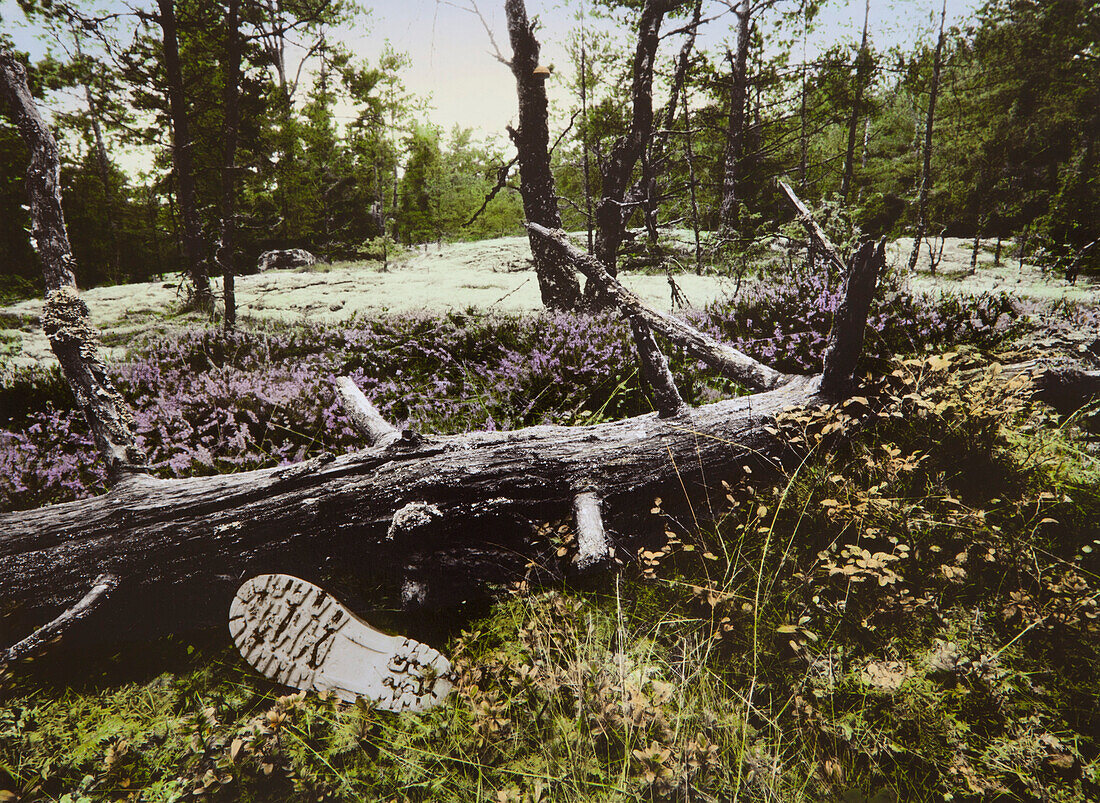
<point x="692" y="185"/>
<point x="151" y="209"/>
<point x="866" y="143"/>
<point x="803" y="131"/>
<point x="655" y="158"/>
<point x="584" y="145"/>
<point x="649" y="195"/>
<point x="104" y="165"/>
<point x="857" y="104"/>
<point x="976" y="247"/>
<point x="182" y="158"/>
<point x="108" y="192"/>
<point x="229" y="170"/>
<point x="803" y="137"/>
<point x="729" y="215"/>
<point x="926" y="165"/>
<point x="628" y="149"/>
<point x="557" y="281"/>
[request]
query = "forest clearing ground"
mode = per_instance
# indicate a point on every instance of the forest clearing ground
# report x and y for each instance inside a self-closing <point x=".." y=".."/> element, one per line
<point x="485" y="275"/>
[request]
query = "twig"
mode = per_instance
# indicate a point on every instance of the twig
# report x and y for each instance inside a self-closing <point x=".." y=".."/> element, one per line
<point x="502" y="182"/>
<point x="473" y="9"/>
<point x="54" y="630"/>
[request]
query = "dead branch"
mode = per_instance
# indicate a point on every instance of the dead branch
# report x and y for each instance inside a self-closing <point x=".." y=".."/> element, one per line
<point x="53" y="631"/>
<point x="377" y="430"/>
<point x="727" y="360"/>
<point x="502" y="182"/>
<point x="817" y="234"/>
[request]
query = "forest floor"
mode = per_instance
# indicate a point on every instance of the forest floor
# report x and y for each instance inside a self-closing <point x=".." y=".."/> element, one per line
<point x="488" y="275"/>
<point x="906" y="610"/>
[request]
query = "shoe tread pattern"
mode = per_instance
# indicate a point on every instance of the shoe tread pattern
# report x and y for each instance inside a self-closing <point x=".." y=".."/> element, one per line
<point x="286" y="627"/>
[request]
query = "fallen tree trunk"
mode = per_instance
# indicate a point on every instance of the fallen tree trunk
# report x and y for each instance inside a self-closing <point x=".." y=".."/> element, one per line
<point x="424" y="520"/>
<point x="181" y="547"/>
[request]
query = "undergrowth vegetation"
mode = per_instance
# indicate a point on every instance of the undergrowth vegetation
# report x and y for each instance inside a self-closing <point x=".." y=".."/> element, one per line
<point x="205" y="403"/>
<point x="906" y="609"/>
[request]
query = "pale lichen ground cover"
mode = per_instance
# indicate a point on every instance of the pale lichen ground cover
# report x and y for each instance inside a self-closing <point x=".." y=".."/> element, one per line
<point x="485" y="275"/>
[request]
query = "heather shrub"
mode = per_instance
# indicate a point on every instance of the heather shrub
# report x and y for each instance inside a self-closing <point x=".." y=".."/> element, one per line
<point x="204" y="402"/>
<point x="787" y="324"/>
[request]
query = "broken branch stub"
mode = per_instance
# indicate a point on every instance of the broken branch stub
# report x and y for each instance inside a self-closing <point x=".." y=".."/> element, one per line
<point x="364" y="415"/>
<point x="41" y="638"/>
<point x="592" y="545"/>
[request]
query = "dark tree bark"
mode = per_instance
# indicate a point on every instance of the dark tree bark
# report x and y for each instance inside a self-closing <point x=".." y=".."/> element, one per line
<point x="862" y="65"/>
<point x="926" y="165"/>
<point x="65" y="315"/>
<point x="628" y="149"/>
<point x="232" y="104"/>
<point x="849" y="321"/>
<point x="557" y="283"/>
<point x="729" y="215"/>
<point x="182" y="158"/>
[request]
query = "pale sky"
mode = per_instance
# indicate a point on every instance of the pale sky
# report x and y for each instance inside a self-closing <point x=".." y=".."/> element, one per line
<point x="451" y="52"/>
<point x="450" y="49"/>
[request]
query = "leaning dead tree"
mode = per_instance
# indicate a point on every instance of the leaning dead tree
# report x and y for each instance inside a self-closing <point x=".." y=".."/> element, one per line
<point x="64" y="314"/>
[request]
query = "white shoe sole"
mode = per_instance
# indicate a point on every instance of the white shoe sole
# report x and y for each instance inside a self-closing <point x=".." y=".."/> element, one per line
<point x="297" y="635"/>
